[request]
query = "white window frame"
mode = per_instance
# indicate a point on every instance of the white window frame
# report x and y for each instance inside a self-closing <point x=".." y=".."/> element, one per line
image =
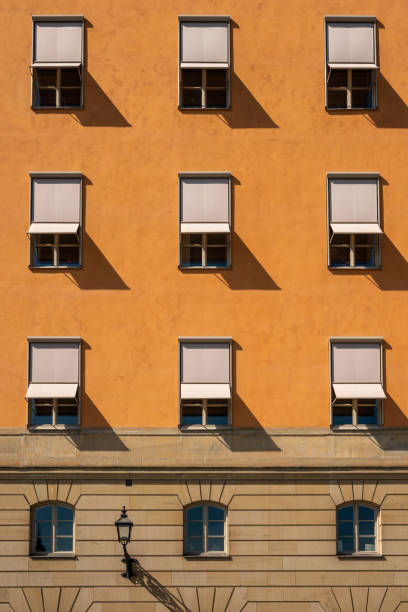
<point x="56" y="175"/>
<point x="57" y="18"/>
<point x="54" y="505"/>
<point x="351" y="19"/>
<point x="201" y="175"/>
<point x="206" y="553"/>
<point x="203" y="340"/>
<point x="205" y="18"/>
<point x="378" y="250"/>
<point x="57" y="340"/>
<point x="377" y="531"/>
<point x="380" y="406"/>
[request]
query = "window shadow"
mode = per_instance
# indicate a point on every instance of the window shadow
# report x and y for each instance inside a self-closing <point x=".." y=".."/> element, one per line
<point x="247" y="272"/>
<point x="392" y="111"/>
<point x="143" y="578"/>
<point x="393" y="275"/>
<point x="97" y="273"/>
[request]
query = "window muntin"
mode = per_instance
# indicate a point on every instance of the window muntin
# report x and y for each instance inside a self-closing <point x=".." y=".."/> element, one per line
<point x="205" y="250"/>
<point x="357" y="530"/>
<point x="207" y="412"/>
<point x="205" y="530"/>
<point x="57" y="61"/>
<point x="52" y="529"/>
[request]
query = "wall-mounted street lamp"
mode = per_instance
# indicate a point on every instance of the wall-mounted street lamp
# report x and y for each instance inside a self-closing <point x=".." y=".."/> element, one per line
<point x="124" y="528"/>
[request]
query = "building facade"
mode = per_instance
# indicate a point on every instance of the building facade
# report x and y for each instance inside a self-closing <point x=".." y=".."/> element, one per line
<point x="203" y="305"/>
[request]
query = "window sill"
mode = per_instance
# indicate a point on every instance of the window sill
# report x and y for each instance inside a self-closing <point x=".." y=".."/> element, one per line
<point x="57" y="108"/>
<point x="66" y="555"/>
<point x="356" y="428"/>
<point x="210" y="557"/>
<point x="355" y="108"/>
<point x="192" y="268"/>
<point x="55" y="428"/>
<point x="200" y="108"/>
<point x="203" y="428"/>
<point x="361" y="556"/>
<point x="350" y="269"/>
<point x="56" y="268"/>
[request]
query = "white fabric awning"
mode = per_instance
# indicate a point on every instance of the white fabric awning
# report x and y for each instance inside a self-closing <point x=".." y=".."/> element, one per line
<point x="205" y="391"/>
<point x="352" y="66"/>
<point x="53" y="228"/>
<point x="358" y="391"/>
<point x="201" y="65"/>
<point x="56" y="65"/>
<point x="205" y="228"/>
<point x="51" y="390"/>
<point x="356" y="228"/>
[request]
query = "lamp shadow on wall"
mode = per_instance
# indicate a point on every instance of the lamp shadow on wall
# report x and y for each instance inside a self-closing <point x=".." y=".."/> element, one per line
<point x="96" y="433"/>
<point x="143" y="578"/>
<point x="392" y="111"/>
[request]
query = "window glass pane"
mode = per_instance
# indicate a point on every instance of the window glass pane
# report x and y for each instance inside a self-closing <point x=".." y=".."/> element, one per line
<point x="70" y="77"/>
<point x="69" y="256"/>
<point x="68" y="239"/>
<point x="345" y="528"/>
<point x="216" y="78"/>
<point x="345" y="545"/>
<point x="192" y="415"/>
<point x="64" y="528"/>
<point x="342" y="413"/>
<point x="63" y="544"/>
<point x="40" y="415"/>
<point x="194" y="528"/>
<point x="191" y="256"/>
<point x="361" y="78"/>
<point x="191" y="77"/>
<point x="337" y="78"/>
<point x="43" y="545"/>
<point x="44" y="239"/>
<point x="367" y="413"/>
<point x="339" y="256"/>
<point x="192" y="239"/>
<point x="336" y="99"/>
<point x="46" y="77"/>
<point x="216" y="256"/>
<point x="217" y="415"/>
<point x="366" y="514"/>
<point x="43" y="256"/>
<point x="216" y="98"/>
<point x="195" y="513"/>
<point x="365" y="256"/>
<point x="43" y="528"/>
<point x="215" y="544"/>
<point x="191" y="97"/>
<point x="366" y="544"/>
<point x="366" y="528"/>
<point x="215" y="528"/>
<point x="361" y="99"/>
<point x="346" y="513"/>
<point x="44" y="513"/>
<point x="215" y="514"/>
<point x="47" y="97"/>
<point x="64" y="513"/>
<point x="67" y="415"/>
<point x="195" y="545"/>
<point x="70" y="97"/>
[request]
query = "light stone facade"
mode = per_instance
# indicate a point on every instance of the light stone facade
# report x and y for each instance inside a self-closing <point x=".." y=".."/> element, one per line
<point x="281" y="520"/>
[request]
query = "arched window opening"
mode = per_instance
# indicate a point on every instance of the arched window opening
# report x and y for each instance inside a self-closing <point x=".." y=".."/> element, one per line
<point x="205" y="530"/>
<point x="357" y="529"/>
<point x="52" y="529"/>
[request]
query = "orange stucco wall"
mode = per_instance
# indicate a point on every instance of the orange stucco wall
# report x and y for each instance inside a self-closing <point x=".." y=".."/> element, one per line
<point x="130" y="302"/>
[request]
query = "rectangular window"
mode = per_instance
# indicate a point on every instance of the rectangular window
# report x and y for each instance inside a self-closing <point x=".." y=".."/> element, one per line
<point x="205" y="382"/>
<point x="353" y="212"/>
<point x="356" y="381"/>
<point x="351" y="62"/>
<point x="204" y="62"/>
<point x="56" y="218"/>
<point x="53" y="392"/>
<point x="58" y="61"/>
<point x="205" y="220"/>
